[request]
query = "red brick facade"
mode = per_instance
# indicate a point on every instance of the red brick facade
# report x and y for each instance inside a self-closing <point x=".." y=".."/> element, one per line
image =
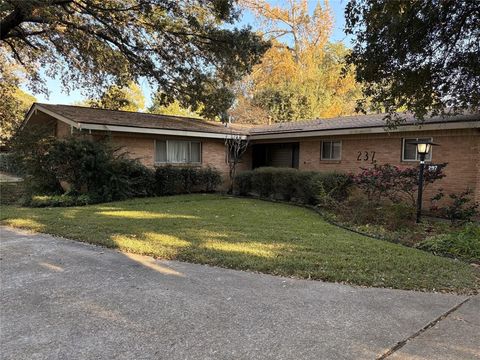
<point x="459" y="148"/>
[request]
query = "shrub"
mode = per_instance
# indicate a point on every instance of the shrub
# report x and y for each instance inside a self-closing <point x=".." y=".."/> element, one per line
<point x="170" y="180"/>
<point x="461" y="209"/>
<point x="210" y="179"/>
<point x="11" y="192"/>
<point x="358" y="210"/>
<point x="288" y="184"/>
<point x="243" y="183"/>
<point x="464" y="243"/>
<point x="394" y="183"/>
<point x="82" y="166"/>
<point x="129" y="178"/>
<point x="397" y="216"/>
<point x="336" y="185"/>
<point x="57" y="200"/>
<point x="9" y="164"/>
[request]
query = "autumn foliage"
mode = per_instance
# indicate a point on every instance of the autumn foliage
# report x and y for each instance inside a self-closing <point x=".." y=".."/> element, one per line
<point x="301" y="76"/>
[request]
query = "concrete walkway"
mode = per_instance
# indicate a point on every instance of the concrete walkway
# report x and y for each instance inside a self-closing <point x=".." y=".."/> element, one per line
<point x="62" y="299"/>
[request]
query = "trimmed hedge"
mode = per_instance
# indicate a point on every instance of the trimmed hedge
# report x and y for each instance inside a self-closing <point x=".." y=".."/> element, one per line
<point x="307" y="187"/>
<point x="170" y="180"/>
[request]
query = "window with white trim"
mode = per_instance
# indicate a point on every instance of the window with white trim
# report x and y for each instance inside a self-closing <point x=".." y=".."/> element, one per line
<point x="178" y="152"/>
<point x="409" y="149"/>
<point x="331" y="150"/>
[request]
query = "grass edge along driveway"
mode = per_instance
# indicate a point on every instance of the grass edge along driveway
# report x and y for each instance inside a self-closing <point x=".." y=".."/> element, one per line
<point x="248" y="234"/>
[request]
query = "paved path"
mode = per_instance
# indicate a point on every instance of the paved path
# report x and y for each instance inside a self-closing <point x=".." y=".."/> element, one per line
<point x="62" y="299"/>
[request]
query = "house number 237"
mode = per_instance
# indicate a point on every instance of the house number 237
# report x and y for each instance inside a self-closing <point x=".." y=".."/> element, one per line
<point x="366" y="156"/>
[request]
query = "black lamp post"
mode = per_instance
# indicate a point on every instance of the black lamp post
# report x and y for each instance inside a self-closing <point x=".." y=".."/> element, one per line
<point x="423" y="148"/>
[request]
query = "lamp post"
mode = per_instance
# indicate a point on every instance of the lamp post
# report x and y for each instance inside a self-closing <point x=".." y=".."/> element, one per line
<point x="423" y="148"/>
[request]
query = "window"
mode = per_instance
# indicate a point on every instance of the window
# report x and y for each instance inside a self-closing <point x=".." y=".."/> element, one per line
<point x="331" y="150"/>
<point x="177" y="152"/>
<point x="409" y="150"/>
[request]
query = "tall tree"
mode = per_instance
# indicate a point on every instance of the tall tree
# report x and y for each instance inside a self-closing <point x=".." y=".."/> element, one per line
<point x="172" y="109"/>
<point x="14" y="101"/>
<point x="182" y="46"/>
<point x="300" y="76"/>
<point x="422" y="56"/>
<point x="126" y="98"/>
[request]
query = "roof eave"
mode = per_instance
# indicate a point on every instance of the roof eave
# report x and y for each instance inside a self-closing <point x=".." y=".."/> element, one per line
<point x="367" y="130"/>
<point x="172" y="132"/>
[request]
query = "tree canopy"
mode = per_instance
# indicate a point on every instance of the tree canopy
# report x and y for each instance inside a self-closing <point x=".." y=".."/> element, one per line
<point x="172" y="109"/>
<point x="300" y="76"/>
<point x="126" y="98"/>
<point x="14" y="101"/>
<point x="422" y="56"/>
<point x="188" y="49"/>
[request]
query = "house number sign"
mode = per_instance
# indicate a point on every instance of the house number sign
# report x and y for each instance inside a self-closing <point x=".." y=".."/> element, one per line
<point x="366" y="156"/>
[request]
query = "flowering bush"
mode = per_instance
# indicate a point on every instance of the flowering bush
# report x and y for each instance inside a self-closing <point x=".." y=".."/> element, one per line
<point x="395" y="183"/>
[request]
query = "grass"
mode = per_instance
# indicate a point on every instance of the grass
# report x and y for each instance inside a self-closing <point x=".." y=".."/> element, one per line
<point x="248" y="234"/>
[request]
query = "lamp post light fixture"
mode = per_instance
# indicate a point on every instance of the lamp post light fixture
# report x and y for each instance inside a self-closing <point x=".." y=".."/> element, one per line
<point x="423" y="148"/>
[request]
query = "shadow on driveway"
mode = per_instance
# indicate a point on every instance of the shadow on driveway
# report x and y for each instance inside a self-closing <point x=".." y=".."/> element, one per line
<point x="65" y="299"/>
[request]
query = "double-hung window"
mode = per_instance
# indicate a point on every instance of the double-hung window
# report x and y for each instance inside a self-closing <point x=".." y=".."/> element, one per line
<point x="331" y="150"/>
<point x="177" y="152"/>
<point x="409" y="149"/>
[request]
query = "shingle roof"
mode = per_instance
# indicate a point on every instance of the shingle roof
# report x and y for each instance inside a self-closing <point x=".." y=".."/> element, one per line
<point x="87" y="115"/>
<point x="354" y="122"/>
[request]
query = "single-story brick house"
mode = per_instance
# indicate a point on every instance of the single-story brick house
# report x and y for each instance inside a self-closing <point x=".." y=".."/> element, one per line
<point x="341" y="144"/>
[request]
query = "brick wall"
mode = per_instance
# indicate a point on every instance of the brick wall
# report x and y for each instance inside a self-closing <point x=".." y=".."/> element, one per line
<point x="459" y="148"/>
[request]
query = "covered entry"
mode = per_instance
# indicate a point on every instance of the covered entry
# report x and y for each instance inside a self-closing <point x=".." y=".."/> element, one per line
<point x="276" y="155"/>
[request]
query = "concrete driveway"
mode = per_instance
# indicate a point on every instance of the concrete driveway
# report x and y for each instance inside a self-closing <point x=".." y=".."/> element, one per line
<point x="62" y="299"/>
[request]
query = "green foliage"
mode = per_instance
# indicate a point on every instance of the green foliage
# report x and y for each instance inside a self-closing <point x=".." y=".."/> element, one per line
<point x="463" y="244"/>
<point x="126" y="98"/>
<point x="9" y="164"/>
<point x="81" y="166"/>
<point x="30" y="149"/>
<point x="172" y="109"/>
<point x="58" y="200"/>
<point x="97" y="170"/>
<point x="129" y="178"/>
<point x="359" y="210"/>
<point x="283" y="104"/>
<point x="170" y="180"/>
<point x="419" y="56"/>
<point x="11" y="192"/>
<point x="189" y="50"/>
<point x="288" y="184"/>
<point x="14" y="101"/>
<point x="336" y="185"/>
<point x="462" y="208"/>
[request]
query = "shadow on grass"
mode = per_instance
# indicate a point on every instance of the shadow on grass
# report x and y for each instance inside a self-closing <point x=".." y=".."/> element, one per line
<point x="250" y="235"/>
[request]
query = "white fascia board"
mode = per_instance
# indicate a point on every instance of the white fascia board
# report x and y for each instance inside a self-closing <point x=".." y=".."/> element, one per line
<point x="139" y="130"/>
<point x="372" y="130"/>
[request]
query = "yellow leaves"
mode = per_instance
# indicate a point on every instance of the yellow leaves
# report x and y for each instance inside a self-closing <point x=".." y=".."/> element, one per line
<point x="301" y="62"/>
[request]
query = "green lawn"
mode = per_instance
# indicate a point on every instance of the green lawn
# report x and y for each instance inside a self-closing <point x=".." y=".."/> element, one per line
<point x="250" y="235"/>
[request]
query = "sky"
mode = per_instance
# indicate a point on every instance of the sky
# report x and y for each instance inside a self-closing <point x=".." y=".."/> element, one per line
<point x="59" y="96"/>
